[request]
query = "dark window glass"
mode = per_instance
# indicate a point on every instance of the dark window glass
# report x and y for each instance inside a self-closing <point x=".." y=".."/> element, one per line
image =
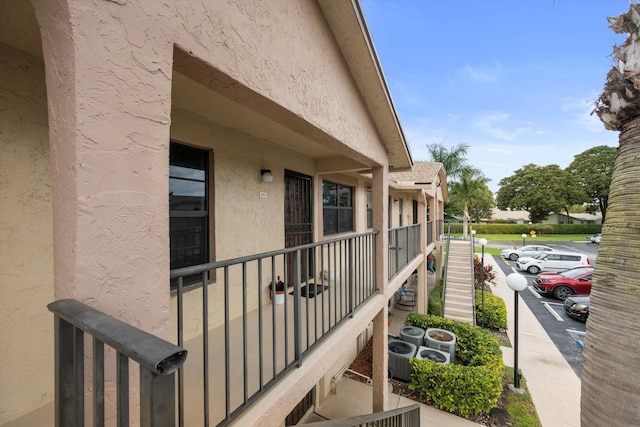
<point x="188" y="208"/>
<point x="337" y="202"/>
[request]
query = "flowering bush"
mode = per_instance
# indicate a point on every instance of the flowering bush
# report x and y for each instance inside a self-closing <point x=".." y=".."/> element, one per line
<point x="489" y="274"/>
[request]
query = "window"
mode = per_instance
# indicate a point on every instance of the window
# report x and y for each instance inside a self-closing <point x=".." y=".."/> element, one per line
<point x="188" y="208"/>
<point x="337" y="208"/>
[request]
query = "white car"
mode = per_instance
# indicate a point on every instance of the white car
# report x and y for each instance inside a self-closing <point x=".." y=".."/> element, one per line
<point x="552" y="261"/>
<point x="524" y="251"/>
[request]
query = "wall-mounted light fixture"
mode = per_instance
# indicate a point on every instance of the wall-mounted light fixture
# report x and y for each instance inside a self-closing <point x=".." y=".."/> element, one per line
<point x="266" y="175"/>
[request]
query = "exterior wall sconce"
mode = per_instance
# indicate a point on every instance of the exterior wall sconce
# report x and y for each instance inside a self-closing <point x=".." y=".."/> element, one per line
<point x="266" y="175"/>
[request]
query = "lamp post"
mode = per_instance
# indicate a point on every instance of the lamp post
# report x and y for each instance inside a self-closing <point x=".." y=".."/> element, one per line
<point x="473" y="235"/>
<point x="517" y="282"/>
<point x="482" y="242"/>
<point x="524" y="238"/>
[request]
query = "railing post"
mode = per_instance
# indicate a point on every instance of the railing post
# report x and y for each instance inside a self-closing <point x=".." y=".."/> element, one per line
<point x="157" y="399"/>
<point x="351" y="269"/>
<point x="297" y="312"/>
<point x="66" y="396"/>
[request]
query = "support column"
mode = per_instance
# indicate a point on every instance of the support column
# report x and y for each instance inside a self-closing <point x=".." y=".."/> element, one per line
<point x="380" y="196"/>
<point x="421" y="287"/>
<point x="109" y="136"/>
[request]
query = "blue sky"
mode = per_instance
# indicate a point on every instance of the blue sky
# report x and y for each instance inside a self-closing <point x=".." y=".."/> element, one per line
<point x="516" y="80"/>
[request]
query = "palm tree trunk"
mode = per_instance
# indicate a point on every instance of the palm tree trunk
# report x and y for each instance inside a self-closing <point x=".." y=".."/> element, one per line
<point x="611" y="364"/>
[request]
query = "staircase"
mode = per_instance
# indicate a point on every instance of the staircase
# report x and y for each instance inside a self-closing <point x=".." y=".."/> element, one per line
<point x="459" y="294"/>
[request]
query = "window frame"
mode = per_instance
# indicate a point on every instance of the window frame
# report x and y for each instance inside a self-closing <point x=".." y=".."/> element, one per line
<point x="202" y="158"/>
<point x="338" y="208"/>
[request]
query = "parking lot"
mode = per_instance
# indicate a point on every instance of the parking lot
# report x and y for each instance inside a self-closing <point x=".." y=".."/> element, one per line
<point x="550" y="311"/>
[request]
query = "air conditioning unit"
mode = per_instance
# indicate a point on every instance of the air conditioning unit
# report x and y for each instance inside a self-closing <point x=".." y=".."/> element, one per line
<point x="433" y="355"/>
<point x="399" y="354"/>
<point x="412" y="334"/>
<point x="442" y="340"/>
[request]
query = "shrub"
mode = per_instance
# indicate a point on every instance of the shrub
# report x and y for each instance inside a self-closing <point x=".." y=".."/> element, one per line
<point x="434" y="306"/>
<point x="468" y="388"/>
<point x="495" y="311"/>
<point x="489" y="274"/>
<point x="542" y="229"/>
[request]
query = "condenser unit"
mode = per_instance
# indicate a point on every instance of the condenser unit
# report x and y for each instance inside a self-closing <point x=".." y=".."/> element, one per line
<point x="399" y="354"/>
<point x="442" y="340"/>
<point x="433" y="355"/>
<point x="412" y="334"/>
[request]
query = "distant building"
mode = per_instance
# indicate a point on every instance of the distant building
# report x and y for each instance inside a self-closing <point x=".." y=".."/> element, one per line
<point x="522" y="217"/>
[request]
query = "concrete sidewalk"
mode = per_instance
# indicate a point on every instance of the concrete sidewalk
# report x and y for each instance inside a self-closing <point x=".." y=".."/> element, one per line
<point x="554" y="386"/>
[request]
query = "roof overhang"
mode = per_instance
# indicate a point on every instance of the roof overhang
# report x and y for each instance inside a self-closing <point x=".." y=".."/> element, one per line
<point x="346" y="20"/>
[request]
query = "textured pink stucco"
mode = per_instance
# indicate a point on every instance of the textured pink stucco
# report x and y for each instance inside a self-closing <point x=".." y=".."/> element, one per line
<point x="109" y="67"/>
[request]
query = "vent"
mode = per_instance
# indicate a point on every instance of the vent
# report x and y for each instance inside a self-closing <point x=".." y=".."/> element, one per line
<point x="433" y="355"/>
<point x="399" y="354"/>
<point x="412" y="334"/>
<point x="442" y="340"/>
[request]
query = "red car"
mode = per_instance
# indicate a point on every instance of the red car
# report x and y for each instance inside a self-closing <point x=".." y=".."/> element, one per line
<point x="561" y="285"/>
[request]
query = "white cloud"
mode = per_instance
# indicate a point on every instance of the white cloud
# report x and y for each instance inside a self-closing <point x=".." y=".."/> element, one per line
<point x="580" y="113"/>
<point x="497" y="125"/>
<point x="482" y="74"/>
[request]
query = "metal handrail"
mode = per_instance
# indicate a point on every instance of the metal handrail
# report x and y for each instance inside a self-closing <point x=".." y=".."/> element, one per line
<point x="342" y="273"/>
<point x="408" y="416"/>
<point x="473" y="280"/>
<point x="158" y="360"/>
<point x="446" y="266"/>
<point x="401" y="254"/>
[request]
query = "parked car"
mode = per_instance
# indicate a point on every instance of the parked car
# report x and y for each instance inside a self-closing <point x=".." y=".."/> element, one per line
<point x="566" y="283"/>
<point x="524" y="251"/>
<point x="577" y="307"/>
<point x="595" y="238"/>
<point x="552" y="261"/>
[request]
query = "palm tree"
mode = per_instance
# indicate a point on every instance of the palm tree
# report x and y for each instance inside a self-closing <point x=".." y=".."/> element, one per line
<point x="472" y="193"/>
<point x="611" y="378"/>
<point x="454" y="160"/>
<point x="455" y="164"/>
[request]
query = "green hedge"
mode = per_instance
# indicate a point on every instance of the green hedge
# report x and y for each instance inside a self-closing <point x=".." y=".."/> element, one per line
<point x="469" y="388"/>
<point x="434" y="306"/>
<point x="541" y="229"/>
<point x="495" y="311"/>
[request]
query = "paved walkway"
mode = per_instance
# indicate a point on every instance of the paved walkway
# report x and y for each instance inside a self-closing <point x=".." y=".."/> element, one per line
<point x="554" y="386"/>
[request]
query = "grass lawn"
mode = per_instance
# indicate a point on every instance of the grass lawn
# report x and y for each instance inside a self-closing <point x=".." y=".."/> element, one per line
<point x="517" y="238"/>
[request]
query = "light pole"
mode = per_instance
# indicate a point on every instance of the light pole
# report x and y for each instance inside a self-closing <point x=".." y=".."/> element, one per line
<point x="473" y="235"/>
<point x="524" y="238"/>
<point x="518" y="283"/>
<point x="482" y="242"/>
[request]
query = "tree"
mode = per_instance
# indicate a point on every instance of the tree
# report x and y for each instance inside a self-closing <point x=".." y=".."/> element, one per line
<point x="594" y="169"/>
<point x="453" y="160"/>
<point x="539" y="190"/>
<point x="610" y="377"/>
<point x="470" y="196"/>
<point x="464" y="181"/>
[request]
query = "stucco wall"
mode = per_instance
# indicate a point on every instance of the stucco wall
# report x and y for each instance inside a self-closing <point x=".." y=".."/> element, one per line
<point x="244" y="222"/>
<point x="26" y="237"/>
<point x="109" y="67"/>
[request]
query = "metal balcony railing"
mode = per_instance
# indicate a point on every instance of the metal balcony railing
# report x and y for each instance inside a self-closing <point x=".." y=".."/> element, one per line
<point x="404" y="245"/>
<point x="409" y="416"/>
<point x="244" y="342"/>
<point x="429" y="226"/>
<point x="158" y="361"/>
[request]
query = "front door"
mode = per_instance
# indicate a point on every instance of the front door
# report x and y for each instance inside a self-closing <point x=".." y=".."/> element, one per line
<point x="298" y="224"/>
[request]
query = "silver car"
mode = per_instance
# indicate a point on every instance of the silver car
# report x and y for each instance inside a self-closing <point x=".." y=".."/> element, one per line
<point x="524" y="251"/>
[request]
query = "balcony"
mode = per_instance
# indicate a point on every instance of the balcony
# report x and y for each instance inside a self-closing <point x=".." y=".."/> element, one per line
<point x="243" y="339"/>
<point x="250" y="338"/>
